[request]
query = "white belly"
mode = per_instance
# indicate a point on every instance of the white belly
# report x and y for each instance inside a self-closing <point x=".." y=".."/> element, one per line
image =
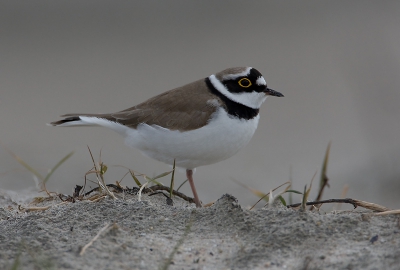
<point x="223" y="137"/>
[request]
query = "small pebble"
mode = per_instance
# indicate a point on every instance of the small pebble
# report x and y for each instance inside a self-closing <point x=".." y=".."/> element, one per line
<point x="374" y="239"/>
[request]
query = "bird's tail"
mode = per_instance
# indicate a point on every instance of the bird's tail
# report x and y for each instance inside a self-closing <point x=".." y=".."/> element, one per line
<point x="80" y="120"/>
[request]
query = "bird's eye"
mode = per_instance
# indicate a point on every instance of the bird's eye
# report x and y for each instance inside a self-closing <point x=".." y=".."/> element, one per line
<point x="244" y="82"/>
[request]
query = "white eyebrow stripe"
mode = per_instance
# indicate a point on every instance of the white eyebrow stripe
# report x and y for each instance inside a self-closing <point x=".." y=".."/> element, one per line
<point x="261" y="81"/>
<point x="237" y="75"/>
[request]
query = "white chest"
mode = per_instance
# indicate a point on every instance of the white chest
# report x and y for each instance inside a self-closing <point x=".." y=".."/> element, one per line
<point x="220" y="139"/>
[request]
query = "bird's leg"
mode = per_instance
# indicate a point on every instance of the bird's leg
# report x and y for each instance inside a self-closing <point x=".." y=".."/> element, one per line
<point x="189" y="175"/>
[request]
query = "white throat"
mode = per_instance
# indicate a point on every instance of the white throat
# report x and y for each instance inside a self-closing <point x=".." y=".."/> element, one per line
<point x="252" y="100"/>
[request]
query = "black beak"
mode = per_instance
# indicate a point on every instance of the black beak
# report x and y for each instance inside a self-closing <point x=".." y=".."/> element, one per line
<point x="272" y="92"/>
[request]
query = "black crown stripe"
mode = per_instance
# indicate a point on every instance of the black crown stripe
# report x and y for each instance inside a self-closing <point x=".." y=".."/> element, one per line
<point x="233" y="108"/>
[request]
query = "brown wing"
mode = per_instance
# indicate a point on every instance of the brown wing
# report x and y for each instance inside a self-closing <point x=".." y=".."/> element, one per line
<point x="184" y="108"/>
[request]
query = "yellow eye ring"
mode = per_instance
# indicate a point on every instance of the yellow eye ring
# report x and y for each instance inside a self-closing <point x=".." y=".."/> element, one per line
<point x="244" y="82"/>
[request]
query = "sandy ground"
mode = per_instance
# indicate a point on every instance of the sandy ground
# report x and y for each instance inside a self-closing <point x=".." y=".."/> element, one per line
<point x="143" y="235"/>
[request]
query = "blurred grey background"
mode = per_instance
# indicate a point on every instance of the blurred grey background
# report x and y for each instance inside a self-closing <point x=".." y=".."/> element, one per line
<point x="336" y="62"/>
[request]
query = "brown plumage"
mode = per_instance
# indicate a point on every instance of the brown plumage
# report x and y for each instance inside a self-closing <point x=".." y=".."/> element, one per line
<point x="170" y="109"/>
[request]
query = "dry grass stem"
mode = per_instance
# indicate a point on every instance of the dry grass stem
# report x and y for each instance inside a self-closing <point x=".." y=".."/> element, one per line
<point x="342" y="196"/>
<point x="94" y="239"/>
<point x="371" y="206"/>
<point x="209" y="204"/>
<point x="99" y="198"/>
<point x="344" y="191"/>
<point x="94" y="197"/>
<point x="37" y="208"/>
<point x="273" y="198"/>
<point x="262" y="195"/>
<point x="354" y="202"/>
<point x="140" y="191"/>
<point x="33" y="208"/>
<point x="307" y="193"/>
<point x="174" y="192"/>
<point x="100" y="169"/>
<point x="390" y="212"/>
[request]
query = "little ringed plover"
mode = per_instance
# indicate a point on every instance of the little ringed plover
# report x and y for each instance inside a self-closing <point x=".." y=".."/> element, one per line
<point x="200" y="123"/>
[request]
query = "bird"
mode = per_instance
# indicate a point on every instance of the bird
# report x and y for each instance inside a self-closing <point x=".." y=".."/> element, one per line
<point x="194" y="125"/>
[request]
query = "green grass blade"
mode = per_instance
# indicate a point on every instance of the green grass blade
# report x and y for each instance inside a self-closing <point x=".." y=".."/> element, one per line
<point x="293" y="191"/>
<point x="156" y="182"/>
<point x="103" y="168"/>
<point x="282" y="200"/>
<point x="135" y="178"/>
<point x="57" y="165"/>
<point x="152" y="180"/>
<point x="161" y="175"/>
<point x="29" y="168"/>
<point x="182" y="184"/>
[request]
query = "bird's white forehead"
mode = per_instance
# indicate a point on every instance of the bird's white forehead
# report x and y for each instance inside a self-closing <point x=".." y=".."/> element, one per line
<point x="261" y="81"/>
<point x="237" y="75"/>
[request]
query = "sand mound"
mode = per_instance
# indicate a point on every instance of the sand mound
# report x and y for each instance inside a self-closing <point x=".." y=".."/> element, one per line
<point x="143" y="235"/>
